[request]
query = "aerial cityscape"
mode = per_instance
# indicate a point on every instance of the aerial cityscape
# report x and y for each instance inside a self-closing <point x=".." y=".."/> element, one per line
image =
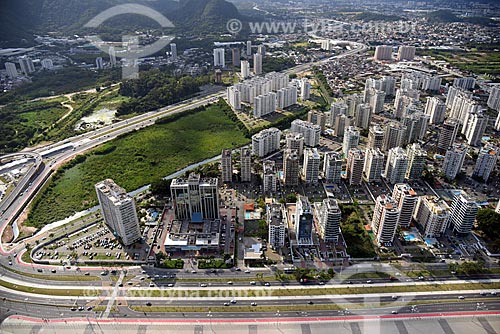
<point x="234" y="166"/>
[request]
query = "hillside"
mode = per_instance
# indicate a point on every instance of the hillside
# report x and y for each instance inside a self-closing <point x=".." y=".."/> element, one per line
<point x="19" y="20"/>
<point x="447" y="16"/>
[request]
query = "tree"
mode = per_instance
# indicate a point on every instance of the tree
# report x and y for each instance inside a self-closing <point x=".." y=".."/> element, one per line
<point x="291" y="198"/>
<point x="488" y="222"/>
<point x="161" y="188"/>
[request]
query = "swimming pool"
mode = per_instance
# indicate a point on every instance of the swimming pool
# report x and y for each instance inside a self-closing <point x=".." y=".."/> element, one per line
<point x="410" y="237"/>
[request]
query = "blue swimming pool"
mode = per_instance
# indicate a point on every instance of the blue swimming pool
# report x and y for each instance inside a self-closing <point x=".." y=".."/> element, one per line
<point x="410" y="237"/>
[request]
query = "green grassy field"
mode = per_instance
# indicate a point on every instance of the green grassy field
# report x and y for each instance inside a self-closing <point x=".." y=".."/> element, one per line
<point x="137" y="159"/>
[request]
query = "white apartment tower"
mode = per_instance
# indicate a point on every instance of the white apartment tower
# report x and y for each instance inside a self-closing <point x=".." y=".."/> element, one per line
<point x="454" y="160"/>
<point x="406" y="199"/>
<point x="486" y="162"/>
<point x="396" y="166"/>
<point x="295" y="141"/>
<point x="383" y="52"/>
<point x="234" y="97"/>
<point x="11" y="70"/>
<point x="277" y="227"/>
<point x="27" y="65"/>
<point x="257" y="64"/>
<point x="269" y="176"/>
<point x="474" y="128"/>
<point x="416" y="162"/>
<point x="406" y="53"/>
<point x="227" y="166"/>
<point x="329" y="217"/>
<point x="119" y="211"/>
<point x="245" y="69"/>
<point x="433" y="215"/>
<point x="385" y="219"/>
<point x="436" y="109"/>
<point x="305" y="89"/>
<point x="355" y="166"/>
<point x="310" y="169"/>
<point x="265" y="142"/>
<point x="351" y="139"/>
<point x="463" y="213"/>
<point x="219" y="57"/>
<point x="246" y="164"/>
<point x="375" y="137"/>
<point x="332" y="167"/>
<point x="311" y="132"/>
<point x="374" y="165"/>
<point x="264" y="105"/>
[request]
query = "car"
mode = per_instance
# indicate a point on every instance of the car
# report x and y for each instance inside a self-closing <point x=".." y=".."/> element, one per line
<point x="483" y="293"/>
<point x="89" y="308"/>
<point x="40" y="270"/>
<point x="142" y="278"/>
<point x="310" y="302"/>
<point x="120" y="285"/>
<point x="493" y="293"/>
<point x="130" y="283"/>
<point x="233" y="301"/>
<point x="80" y="308"/>
<point x="53" y="271"/>
<point x="203" y="285"/>
<point x="238" y="269"/>
<point x="148" y="304"/>
<point x="193" y="271"/>
<point x="103" y="273"/>
<point x="394" y="312"/>
<point x="87" y="274"/>
<point x="73" y="309"/>
<point x="253" y="304"/>
<point x="253" y="283"/>
<point x="394" y="297"/>
<point x="10" y="263"/>
<point x="151" y="285"/>
<point x="230" y="282"/>
<point x="461" y="297"/>
<point x="267" y="284"/>
<point x="247" y="271"/>
<point x="369" y="281"/>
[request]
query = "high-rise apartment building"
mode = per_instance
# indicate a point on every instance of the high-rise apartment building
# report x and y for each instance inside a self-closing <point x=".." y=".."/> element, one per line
<point x="463" y="213"/>
<point x="245" y="69"/>
<point x="486" y="162"/>
<point x="436" y="109"/>
<point x="119" y="211"/>
<point x="406" y="198"/>
<point x="277" y="227"/>
<point x="219" y="57"/>
<point x="291" y="163"/>
<point x="454" y="160"/>
<point x="266" y="141"/>
<point x="433" y="215"/>
<point x="396" y="166"/>
<point x="311" y="132"/>
<point x="374" y="165"/>
<point x="474" y="128"/>
<point x="269" y="177"/>
<point x="227" y="166"/>
<point x="351" y="139"/>
<point x="11" y="70"/>
<point x="383" y="52"/>
<point x="305" y="89"/>
<point x="286" y="97"/>
<point x="406" y="52"/>
<point x="236" y="56"/>
<point x="332" y="167"/>
<point x="27" y="65"/>
<point x="375" y="137"/>
<point x="362" y="116"/>
<point x="447" y="135"/>
<point x="416" y="162"/>
<point x="264" y="105"/>
<point x="355" y="166"/>
<point x="385" y="219"/>
<point x="257" y="64"/>
<point x="329" y="217"/>
<point x="394" y="136"/>
<point x="245" y="164"/>
<point x="310" y="169"/>
<point x="494" y="98"/>
<point x="173" y="52"/>
<point x="234" y="97"/>
<point x="295" y="141"/>
<point x="317" y="117"/>
<point x="303" y="221"/>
